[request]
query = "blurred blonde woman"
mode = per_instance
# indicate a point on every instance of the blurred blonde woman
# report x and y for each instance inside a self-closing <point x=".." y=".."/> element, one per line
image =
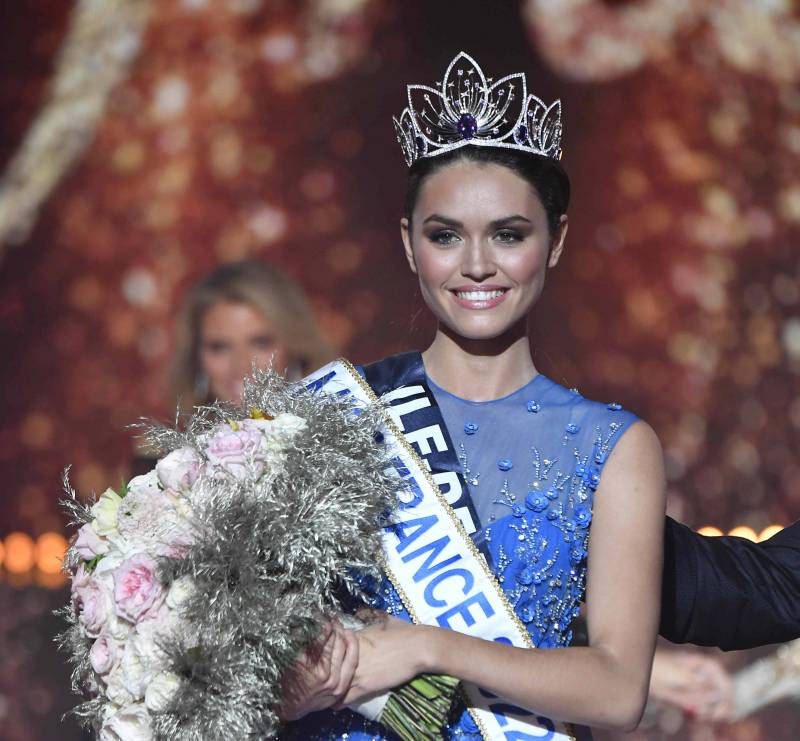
<point x="242" y="313"/>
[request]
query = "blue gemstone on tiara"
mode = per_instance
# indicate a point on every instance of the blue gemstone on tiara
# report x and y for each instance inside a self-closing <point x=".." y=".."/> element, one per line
<point x="521" y="134"/>
<point x="467" y="126"/>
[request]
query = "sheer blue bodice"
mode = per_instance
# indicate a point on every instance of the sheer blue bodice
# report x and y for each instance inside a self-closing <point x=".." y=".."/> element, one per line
<point x="533" y="461"/>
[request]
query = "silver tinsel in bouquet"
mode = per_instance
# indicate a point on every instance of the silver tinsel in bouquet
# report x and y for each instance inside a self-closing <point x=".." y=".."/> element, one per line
<point x="197" y="585"/>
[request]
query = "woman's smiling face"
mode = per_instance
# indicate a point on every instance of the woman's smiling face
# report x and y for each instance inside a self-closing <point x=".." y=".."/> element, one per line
<point x="480" y="244"/>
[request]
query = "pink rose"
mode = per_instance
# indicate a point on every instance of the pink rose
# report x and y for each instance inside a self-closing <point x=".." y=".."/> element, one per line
<point x="89" y="544"/>
<point x="80" y="578"/>
<point x="137" y="591"/>
<point x="104" y="654"/>
<point x="92" y="602"/>
<point x="237" y="451"/>
<point x="180" y="469"/>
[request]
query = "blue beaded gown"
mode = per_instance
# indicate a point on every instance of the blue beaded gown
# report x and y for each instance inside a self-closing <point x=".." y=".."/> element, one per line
<point x="532" y="460"/>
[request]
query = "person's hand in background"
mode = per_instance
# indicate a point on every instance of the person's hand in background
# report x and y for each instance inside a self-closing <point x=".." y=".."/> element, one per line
<point x="696" y="683"/>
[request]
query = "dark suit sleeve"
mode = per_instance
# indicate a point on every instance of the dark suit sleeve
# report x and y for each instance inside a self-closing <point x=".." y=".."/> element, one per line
<point x="730" y="592"/>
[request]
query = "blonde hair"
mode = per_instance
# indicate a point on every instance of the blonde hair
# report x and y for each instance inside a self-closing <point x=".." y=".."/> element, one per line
<point x="268" y="290"/>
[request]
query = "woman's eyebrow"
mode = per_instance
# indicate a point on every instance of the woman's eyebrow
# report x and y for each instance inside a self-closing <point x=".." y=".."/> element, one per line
<point x="510" y="220"/>
<point x="443" y="220"/>
<point x="496" y="224"/>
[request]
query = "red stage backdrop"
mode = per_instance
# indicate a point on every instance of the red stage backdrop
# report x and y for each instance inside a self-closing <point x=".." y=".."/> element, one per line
<point x="167" y="137"/>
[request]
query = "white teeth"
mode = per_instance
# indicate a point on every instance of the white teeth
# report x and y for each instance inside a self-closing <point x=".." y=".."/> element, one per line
<point x="479" y="295"/>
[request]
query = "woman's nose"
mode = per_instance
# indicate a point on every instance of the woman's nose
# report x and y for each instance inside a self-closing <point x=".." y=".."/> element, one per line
<point x="244" y="362"/>
<point x="477" y="263"/>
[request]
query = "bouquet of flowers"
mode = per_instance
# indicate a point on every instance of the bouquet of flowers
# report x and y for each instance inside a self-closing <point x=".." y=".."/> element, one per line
<point x="195" y="586"/>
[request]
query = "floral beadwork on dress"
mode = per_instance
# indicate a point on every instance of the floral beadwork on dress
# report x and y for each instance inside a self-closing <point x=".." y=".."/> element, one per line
<point x="540" y="552"/>
<point x="533" y="461"/>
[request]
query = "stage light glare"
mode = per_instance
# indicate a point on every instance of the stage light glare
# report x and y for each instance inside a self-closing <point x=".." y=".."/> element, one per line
<point x="710" y="530"/>
<point x="50" y="550"/>
<point x="19" y="557"/>
<point x="769" y="531"/>
<point x="742" y="531"/>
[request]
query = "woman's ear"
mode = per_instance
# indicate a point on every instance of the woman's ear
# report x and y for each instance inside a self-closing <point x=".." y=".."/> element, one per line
<point x="405" y="234"/>
<point x="557" y="243"/>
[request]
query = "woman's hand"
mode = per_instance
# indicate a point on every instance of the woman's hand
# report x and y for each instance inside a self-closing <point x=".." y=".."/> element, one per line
<point x="390" y="653"/>
<point x="321" y="677"/>
<point x="697" y="684"/>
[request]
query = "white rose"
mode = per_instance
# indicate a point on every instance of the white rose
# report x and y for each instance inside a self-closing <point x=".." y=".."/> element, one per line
<point x="133" y="671"/>
<point x="161" y="691"/>
<point x="143" y="657"/>
<point x="148" y="638"/>
<point x="289" y="425"/>
<point x="154" y="522"/>
<point x="180" y="591"/>
<point x="147" y="483"/>
<point x="104" y="571"/>
<point x="118" y="629"/>
<point x="130" y="723"/>
<point x="179" y="469"/>
<point x="116" y="691"/>
<point x="183" y="508"/>
<point x="105" y="513"/>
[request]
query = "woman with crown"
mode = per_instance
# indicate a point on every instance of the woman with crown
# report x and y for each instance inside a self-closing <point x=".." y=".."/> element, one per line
<point x="491" y="555"/>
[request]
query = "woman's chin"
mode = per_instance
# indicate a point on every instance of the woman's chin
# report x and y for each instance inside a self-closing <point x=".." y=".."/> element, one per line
<point x="480" y="331"/>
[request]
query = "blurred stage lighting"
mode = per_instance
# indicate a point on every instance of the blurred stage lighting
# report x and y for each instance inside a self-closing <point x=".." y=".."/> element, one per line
<point x="50" y="550"/>
<point x="710" y="530"/>
<point x="768" y="532"/>
<point x="19" y="555"/>
<point x="743" y="531"/>
<point x="25" y="560"/>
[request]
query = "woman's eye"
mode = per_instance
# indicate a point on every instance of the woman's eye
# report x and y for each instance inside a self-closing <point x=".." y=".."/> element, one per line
<point x="506" y="235"/>
<point x="444" y="236"/>
<point x="215" y="348"/>
<point x="262" y="343"/>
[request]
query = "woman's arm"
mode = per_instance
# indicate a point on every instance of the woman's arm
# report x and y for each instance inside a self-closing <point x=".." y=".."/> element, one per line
<point x="604" y="684"/>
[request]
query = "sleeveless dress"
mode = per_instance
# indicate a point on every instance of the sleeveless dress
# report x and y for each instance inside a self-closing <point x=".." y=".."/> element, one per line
<point x="532" y="460"/>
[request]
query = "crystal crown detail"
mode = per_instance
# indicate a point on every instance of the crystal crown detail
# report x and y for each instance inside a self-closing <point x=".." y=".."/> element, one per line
<point x="466" y="107"/>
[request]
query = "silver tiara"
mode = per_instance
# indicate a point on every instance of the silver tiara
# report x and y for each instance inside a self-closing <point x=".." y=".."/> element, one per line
<point x="467" y="108"/>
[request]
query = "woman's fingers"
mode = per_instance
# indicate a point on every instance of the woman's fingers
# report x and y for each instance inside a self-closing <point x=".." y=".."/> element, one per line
<point x="349" y="665"/>
<point x="338" y="648"/>
<point x="315" y="652"/>
<point x="323" y="674"/>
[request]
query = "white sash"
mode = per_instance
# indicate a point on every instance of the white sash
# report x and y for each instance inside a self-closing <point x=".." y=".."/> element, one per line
<point x="438" y="572"/>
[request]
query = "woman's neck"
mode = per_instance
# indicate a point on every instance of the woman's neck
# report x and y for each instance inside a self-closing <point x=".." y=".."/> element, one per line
<point x="479" y="370"/>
